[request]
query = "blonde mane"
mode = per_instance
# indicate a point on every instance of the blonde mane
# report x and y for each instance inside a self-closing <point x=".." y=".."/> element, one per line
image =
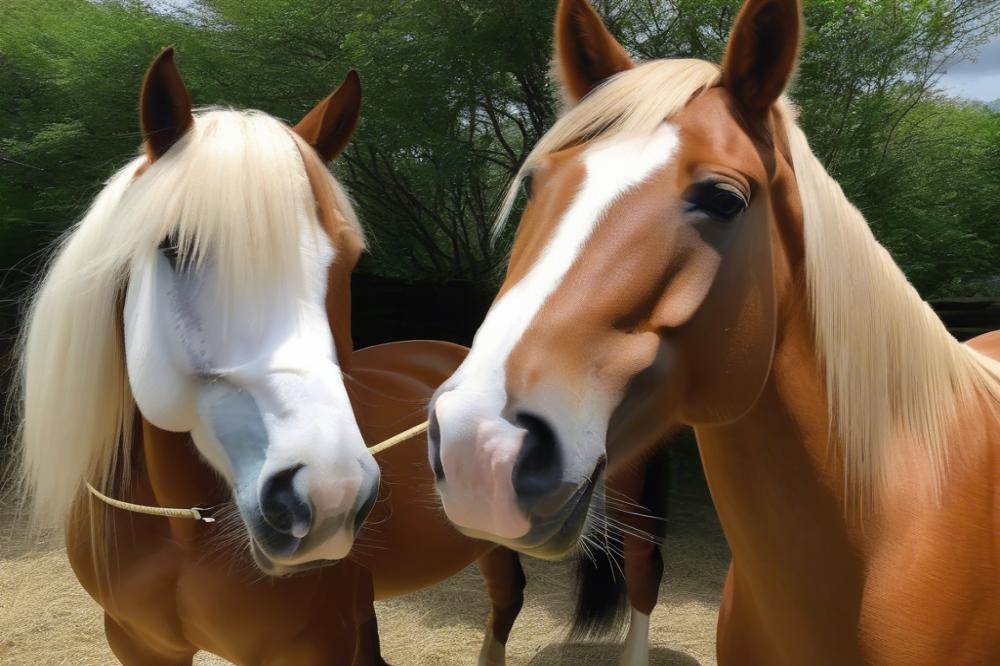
<point x="632" y="102"/>
<point x="233" y="191"/>
<point x="893" y="372"/>
<point x="894" y="375"/>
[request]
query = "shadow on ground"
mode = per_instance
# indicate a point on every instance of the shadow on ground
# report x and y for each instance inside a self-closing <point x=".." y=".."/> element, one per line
<point x="594" y="654"/>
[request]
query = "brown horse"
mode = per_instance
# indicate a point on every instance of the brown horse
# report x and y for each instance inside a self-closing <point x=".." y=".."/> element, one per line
<point x="200" y="313"/>
<point x="684" y="258"/>
<point x="166" y="365"/>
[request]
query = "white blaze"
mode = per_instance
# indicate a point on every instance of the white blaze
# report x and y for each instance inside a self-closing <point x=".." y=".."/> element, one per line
<point x="471" y="409"/>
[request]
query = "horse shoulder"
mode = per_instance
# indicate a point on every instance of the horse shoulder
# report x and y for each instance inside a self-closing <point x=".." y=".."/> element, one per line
<point x="130" y="571"/>
<point x="935" y="564"/>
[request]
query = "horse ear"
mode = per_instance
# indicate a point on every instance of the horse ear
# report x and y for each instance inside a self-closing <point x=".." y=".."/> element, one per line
<point x="330" y="124"/>
<point x="762" y="52"/>
<point x="164" y="105"/>
<point x="586" y="53"/>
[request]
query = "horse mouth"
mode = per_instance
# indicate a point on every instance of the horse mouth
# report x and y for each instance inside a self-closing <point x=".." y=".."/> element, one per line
<point x="558" y="534"/>
<point x="278" y="570"/>
<point x="569" y="523"/>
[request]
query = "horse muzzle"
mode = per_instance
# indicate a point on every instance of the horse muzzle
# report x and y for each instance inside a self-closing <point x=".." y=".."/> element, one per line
<point x="291" y="532"/>
<point x="505" y="480"/>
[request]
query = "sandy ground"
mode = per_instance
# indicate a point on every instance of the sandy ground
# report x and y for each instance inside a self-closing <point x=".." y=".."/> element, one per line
<point x="46" y="619"/>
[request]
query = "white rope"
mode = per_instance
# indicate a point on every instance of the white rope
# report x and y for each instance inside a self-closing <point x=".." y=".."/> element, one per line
<point x="193" y="512"/>
<point x="198" y="513"/>
<point x="398" y="439"/>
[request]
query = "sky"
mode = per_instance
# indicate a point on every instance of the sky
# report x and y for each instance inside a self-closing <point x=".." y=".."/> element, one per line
<point x="976" y="80"/>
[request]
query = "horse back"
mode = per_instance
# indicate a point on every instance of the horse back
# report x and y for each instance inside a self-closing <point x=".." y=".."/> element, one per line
<point x="407" y="369"/>
<point x="407" y="542"/>
<point x="988" y="344"/>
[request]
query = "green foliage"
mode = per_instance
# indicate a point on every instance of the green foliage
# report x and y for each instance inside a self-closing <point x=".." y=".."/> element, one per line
<point x="933" y="197"/>
<point x="69" y="76"/>
<point x="456" y="93"/>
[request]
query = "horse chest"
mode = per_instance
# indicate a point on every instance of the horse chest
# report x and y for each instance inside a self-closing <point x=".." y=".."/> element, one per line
<point x="132" y="576"/>
<point x="226" y="608"/>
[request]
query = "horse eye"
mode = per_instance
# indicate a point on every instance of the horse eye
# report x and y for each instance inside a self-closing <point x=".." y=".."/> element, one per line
<point x="526" y="185"/>
<point x="727" y="204"/>
<point x="719" y="200"/>
<point x="168" y="248"/>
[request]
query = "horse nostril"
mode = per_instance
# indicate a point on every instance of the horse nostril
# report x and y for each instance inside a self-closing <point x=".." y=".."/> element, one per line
<point x="434" y="446"/>
<point x="281" y="505"/>
<point x="538" y="469"/>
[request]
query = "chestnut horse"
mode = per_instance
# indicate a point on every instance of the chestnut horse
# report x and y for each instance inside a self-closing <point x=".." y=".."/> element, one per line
<point x="684" y="258"/>
<point x="200" y="313"/>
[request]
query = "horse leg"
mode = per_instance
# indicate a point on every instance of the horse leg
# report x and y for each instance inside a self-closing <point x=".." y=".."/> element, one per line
<point x="643" y="573"/>
<point x="643" y="561"/>
<point x="132" y="651"/>
<point x="368" y="650"/>
<point x="501" y="569"/>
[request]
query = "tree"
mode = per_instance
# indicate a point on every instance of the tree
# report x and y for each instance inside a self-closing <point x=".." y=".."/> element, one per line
<point x="456" y="93"/>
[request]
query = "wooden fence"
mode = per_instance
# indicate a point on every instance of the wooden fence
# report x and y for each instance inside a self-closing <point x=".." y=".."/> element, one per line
<point x="387" y="309"/>
<point x="968" y="317"/>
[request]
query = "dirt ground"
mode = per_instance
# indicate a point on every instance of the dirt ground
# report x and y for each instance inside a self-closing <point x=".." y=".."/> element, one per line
<point x="47" y="620"/>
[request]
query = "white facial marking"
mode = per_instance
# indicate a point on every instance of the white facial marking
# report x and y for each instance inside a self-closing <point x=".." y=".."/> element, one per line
<point x="177" y="337"/>
<point x="611" y="170"/>
<point x="477" y="394"/>
<point x="161" y="366"/>
<point x="257" y="382"/>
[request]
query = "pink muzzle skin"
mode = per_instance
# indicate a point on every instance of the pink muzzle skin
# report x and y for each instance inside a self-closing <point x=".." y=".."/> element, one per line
<point x="478" y="454"/>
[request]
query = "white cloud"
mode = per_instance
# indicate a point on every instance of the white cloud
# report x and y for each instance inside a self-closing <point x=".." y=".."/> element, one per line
<point x="976" y="80"/>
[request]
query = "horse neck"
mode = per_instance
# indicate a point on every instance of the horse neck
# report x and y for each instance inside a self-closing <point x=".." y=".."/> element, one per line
<point x="174" y="475"/>
<point x="775" y="471"/>
<point x="777" y="484"/>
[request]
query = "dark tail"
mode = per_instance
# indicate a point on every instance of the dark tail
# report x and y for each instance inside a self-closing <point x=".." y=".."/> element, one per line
<point x="601" y="593"/>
